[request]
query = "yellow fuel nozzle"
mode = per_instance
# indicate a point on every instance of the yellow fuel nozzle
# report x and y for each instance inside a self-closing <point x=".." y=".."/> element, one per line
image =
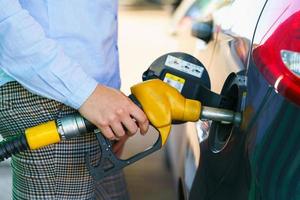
<point x="164" y="104"/>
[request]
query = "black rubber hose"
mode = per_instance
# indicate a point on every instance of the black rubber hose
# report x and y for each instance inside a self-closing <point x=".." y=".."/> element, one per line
<point x="12" y="146"/>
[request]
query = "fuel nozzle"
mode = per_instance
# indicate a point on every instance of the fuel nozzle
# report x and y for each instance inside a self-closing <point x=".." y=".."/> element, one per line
<point x="221" y="115"/>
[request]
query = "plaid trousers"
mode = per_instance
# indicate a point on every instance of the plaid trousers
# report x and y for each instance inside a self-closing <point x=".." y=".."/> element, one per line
<point x="57" y="171"/>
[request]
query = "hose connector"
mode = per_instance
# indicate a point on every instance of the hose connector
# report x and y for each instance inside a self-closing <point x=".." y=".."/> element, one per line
<point x="71" y="126"/>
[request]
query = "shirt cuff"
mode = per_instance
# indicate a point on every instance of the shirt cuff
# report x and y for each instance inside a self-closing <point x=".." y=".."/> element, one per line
<point x="81" y="94"/>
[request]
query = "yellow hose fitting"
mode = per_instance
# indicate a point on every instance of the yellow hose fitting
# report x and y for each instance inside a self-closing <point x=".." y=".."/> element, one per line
<point x="42" y="135"/>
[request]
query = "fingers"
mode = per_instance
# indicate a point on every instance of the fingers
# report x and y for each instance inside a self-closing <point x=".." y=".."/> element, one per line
<point x="140" y="118"/>
<point x="121" y="124"/>
<point x="107" y="132"/>
<point x="118" y="129"/>
<point x="126" y="124"/>
<point x="130" y="126"/>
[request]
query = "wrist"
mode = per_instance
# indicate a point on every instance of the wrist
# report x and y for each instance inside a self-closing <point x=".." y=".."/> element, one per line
<point x="82" y="93"/>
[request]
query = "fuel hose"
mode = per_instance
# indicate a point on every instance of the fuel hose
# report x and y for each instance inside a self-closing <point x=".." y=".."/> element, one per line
<point x="13" y="145"/>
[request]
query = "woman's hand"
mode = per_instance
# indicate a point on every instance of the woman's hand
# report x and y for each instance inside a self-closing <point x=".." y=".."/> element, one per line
<point x="113" y="113"/>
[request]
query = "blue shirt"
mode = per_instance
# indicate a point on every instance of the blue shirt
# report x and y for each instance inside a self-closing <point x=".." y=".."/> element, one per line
<point x="59" y="49"/>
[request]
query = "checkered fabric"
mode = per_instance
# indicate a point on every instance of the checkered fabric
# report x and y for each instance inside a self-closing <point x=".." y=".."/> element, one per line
<point x="57" y="171"/>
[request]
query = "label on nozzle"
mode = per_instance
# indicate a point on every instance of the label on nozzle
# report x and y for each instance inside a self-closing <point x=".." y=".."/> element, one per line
<point x="174" y="81"/>
<point x="184" y="66"/>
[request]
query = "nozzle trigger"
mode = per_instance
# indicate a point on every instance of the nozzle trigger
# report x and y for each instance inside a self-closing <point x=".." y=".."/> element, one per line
<point x="109" y="163"/>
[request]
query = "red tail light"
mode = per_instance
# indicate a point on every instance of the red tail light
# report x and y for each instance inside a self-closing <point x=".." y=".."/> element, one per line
<point x="278" y="57"/>
<point x="291" y="60"/>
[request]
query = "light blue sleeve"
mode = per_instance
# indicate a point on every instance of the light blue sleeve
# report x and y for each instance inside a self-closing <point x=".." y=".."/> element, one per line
<point x="37" y="62"/>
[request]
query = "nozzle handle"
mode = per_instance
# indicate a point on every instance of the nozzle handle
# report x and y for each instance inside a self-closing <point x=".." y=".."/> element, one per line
<point x="102" y="169"/>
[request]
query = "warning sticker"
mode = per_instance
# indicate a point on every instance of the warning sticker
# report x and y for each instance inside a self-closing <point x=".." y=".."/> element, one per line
<point x="174" y="81"/>
<point x="184" y="66"/>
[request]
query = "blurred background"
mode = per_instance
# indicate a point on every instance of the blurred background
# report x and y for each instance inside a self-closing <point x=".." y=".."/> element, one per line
<point x="143" y="36"/>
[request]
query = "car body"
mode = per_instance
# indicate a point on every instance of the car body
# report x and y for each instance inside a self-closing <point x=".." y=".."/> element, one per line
<point x="255" y="60"/>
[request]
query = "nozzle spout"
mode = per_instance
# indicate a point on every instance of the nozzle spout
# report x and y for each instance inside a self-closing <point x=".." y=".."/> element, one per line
<point x="221" y="115"/>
